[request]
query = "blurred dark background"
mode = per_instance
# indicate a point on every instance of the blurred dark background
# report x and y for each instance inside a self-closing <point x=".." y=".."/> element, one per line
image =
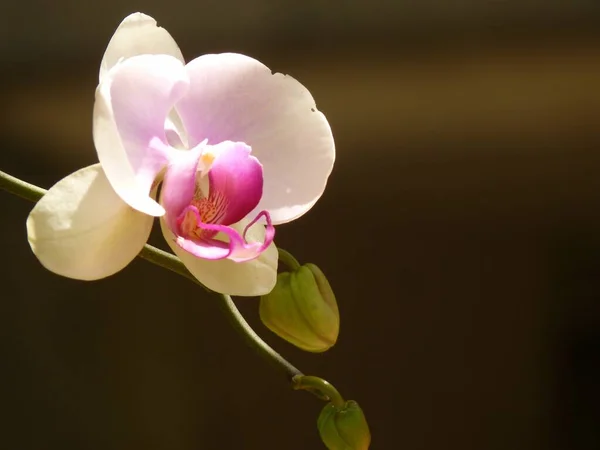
<point x="460" y="231"/>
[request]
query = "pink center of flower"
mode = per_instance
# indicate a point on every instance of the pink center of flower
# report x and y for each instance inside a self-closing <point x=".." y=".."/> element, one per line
<point x="207" y="225"/>
<point x="210" y="210"/>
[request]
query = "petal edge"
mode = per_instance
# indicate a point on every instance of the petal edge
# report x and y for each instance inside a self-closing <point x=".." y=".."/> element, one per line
<point x="138" y="34"/>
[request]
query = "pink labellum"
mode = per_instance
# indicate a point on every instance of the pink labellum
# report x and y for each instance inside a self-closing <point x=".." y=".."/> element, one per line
<point x="208" y="189"/>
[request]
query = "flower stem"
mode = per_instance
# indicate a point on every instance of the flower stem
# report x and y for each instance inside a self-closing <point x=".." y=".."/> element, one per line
<point x="237" y="321"/>
<point x="254" y="340"/>
<point x="319" y="387"/>
<point x="171" y="262"/>
<point x="288" y="259"/>
<point x="168" y="261"/>
<point x="20" y="188"/>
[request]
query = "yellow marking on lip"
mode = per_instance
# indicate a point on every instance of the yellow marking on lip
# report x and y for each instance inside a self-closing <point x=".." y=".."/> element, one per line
<point x="207" y="158"/>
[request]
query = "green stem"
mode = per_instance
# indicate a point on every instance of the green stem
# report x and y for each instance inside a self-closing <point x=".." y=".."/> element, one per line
<point x="20" y="188"/>
<point x="288" y="259"/>
<point x="171" y="262"/>
<point x="168" y="261"/>
<point x="320" y="387"/>
<point x="254" y="340"/>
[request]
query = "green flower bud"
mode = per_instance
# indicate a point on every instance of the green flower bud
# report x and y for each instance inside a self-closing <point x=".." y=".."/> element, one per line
<point x="344" y="428"/>
<point x="302" y="309"/>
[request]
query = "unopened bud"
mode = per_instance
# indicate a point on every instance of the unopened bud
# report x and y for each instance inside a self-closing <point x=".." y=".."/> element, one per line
<point x="344" y="428"/>
<point x="302" y="309"/>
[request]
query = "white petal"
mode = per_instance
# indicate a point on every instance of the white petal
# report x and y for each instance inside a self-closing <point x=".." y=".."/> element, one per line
<point x="234" y="97"/>
<point x="252" y="278"/>
<point x="81" y="228"/>
<point x="138" y="35"/>
<point x="132" y="103"/>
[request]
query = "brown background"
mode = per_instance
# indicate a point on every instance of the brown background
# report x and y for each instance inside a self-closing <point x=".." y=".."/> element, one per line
<point x="459" y="231"/>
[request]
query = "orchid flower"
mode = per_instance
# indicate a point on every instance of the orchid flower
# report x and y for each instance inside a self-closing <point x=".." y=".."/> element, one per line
<point x="233" y="148"/>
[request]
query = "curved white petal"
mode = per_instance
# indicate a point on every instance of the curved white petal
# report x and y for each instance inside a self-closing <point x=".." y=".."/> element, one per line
<point x="234" y="97"/>
<point x="132" y="104"/>
<point x="138" y="34"/>
<point x="252" y="278"/>
<point x="81" y="228"/>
